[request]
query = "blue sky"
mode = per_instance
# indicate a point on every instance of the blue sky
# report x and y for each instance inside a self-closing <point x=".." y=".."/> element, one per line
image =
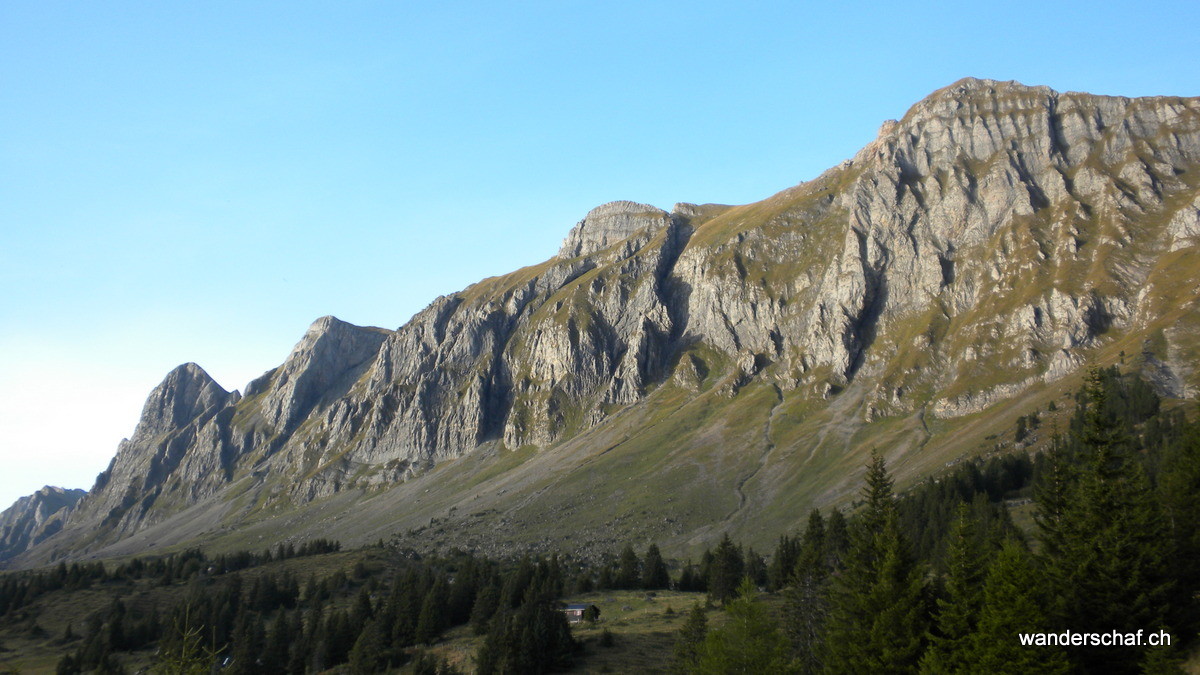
<point x="199" y="181"/>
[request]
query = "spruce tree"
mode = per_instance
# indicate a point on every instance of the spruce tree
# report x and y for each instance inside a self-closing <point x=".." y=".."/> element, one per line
<point x="487" y="600"/>
<point x="783" y="563"/>
<point x="1107" y="558"/>
<point x="748" y="642"/>
<point x="805" y="603"/>
<point x="755" y="568"/>
<point x="629" y="573"/>
<point x="725" y="572"/>
<point x="654" y="571"/>
<point x="877" y="618"/>
<point x="1012" y="604"/>
<point x="274" y="657"/>
<point x="370" y="651"/>
<point x="837" y="539"/>
<point x="1179" y="485"/>
<point x="432" y="619"/>
<point x="958" y="609"/>
<point x="686" y="653"/>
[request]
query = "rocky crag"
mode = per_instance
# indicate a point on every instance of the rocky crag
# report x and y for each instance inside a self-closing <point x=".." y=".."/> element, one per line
<point x="738" y="359"/>
<point x="33" y="518"/>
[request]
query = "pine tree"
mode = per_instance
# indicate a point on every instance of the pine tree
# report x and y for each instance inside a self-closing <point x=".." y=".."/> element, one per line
<point x="362" y="612"/>
<point x="605" y="582"/>
<point x="877" y="619"/>
<point x="534" y="639"/>
<point x="185" y="653"/>
<point x="748" y="642"/>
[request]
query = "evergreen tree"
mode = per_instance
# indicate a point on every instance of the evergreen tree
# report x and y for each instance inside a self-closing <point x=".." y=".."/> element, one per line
<point x="686" y="653"/>
<point x="185" y="654"/>
<point x="534" y="639"/>
<point x="584" y="583"/>
<point x="877" y="619"/>
<point x="1179" y="485"/>
<point x="958" y="609"/>
<point x="405" y="609"/>
<point x="690" y="579"/>
<point x="748" y="642"/>
<point x="755" y="568"/>
<point x="462" y="593"/>
<point x="432" y="620"/>
<point x="362" y="612"/>
<point x="1011" y="605"/>
<point x="725" y="572"/>
<point x="654" y="571"/>
<point x="370" y="651"/>
<point x="805" y="603"/>
<point x="274" y="657"/>
<point x="606" y="580"/>
<point x="629" y="574"/>
<point x="837" y="539"/>
<point x="1107" y="555"/>
<point x="783" y="563"/>
<point x="486" y="603"/>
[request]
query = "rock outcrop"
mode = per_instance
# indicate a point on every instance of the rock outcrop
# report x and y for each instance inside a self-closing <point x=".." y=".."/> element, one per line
<point x="995" y="238"/>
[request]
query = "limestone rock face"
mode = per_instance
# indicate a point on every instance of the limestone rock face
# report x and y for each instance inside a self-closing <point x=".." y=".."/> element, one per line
<point x="33" y="518"/>
<point x="181" y="442"/>
<point x="329" y="352"/>
<point x="609" y="224"/>
<point x="995" y="238"/>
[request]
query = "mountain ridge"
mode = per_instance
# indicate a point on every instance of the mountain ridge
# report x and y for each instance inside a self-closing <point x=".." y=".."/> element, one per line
<point x="988" y="244"/>
<point x="34" y="517"/>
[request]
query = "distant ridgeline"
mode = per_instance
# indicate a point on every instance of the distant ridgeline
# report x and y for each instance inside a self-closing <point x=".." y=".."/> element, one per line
<point x="940" y="579"/>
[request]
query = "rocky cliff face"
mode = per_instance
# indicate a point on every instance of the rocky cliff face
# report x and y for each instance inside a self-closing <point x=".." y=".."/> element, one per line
<point x="994" y="239"/>
<point x="34" y="518"/>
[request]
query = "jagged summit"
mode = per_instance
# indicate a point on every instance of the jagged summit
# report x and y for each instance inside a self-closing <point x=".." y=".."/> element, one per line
<point x="610" y="223"/>
<point x="185" y="392"/>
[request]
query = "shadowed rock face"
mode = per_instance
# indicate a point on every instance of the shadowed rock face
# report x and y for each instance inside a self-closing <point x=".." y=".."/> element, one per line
<point x="993" y="239"/>
<point x="31" y="519"/>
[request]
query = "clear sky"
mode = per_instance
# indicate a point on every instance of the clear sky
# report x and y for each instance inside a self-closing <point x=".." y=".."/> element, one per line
<point x="199" y="181"/>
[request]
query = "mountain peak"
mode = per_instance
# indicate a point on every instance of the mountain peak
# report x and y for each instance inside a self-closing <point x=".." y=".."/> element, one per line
<point x="610" y="223"/>
<point x="185" y="392"/>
